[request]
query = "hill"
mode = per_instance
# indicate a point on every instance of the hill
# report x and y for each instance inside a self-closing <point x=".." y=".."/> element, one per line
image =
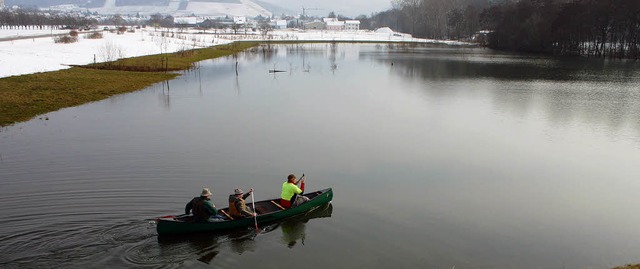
<point x="174" y="7"/>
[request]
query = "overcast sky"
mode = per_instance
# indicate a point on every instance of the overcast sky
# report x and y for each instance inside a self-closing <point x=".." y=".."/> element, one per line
<point x="350" y="8"/>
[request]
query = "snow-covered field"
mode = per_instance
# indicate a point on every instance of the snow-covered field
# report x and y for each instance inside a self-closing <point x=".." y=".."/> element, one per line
<point x="32" y="51"/>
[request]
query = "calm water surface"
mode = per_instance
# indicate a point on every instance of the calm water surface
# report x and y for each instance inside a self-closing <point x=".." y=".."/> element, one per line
<point x="438" y="157"/>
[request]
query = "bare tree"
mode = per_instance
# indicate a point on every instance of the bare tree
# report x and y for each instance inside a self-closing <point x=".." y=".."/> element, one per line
<point x="110" y="52"/>
<point x="411" y="8"/>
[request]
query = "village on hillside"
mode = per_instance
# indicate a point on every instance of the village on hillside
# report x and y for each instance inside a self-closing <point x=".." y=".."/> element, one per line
<point x="214" y="15"/>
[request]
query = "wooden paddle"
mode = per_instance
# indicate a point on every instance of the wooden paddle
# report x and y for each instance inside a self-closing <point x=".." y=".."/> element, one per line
<point x="278" y="205"/>
<point x="255" y="214"/>
<point x="168" y="216"/>
<point x="225" y="213"/>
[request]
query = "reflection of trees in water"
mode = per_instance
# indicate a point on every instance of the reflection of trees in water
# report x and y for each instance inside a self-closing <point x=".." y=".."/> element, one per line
<point x="206" y="246"/>
<point x="165" y="98"/>
<point x="594" y="91"/>
<point x="333" y="48"/>
<point x="269" y="52"/>
<point x="266" y="53"/>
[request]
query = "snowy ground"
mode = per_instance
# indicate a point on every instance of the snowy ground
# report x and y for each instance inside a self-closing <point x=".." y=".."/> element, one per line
<point x="32" y="51"/>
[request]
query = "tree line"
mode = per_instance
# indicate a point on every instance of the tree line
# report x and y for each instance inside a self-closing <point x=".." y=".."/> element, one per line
<point x="600" y="28"/>
<point x="436" y="19"/>
<point x="34" y="19"/>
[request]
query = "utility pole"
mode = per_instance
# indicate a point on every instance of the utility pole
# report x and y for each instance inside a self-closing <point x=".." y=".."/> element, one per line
<point x="304" y="11"/>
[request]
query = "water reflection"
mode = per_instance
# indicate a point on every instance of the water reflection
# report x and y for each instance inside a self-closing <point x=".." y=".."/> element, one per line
<point x="205" y="247"/>
<point x="333" y="47"/>
<point x="284" y="58"/>
<point x="567" y="90"/>
<point x="165" y="96"/>
<point x="472" y="63"/>
<point x="293" y="230"/>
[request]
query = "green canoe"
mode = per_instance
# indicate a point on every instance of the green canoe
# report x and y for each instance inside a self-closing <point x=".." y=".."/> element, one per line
<point x="268" y="211"/>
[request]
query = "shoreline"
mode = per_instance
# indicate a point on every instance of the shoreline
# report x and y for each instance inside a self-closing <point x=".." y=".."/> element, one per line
<point x="42" y="76"/>
<point x="28" y="96"/>
<point x="27" y="51"/>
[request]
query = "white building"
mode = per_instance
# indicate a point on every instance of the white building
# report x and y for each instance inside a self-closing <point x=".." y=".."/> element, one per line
<point x="63" y="8"/>
<point x="352" y="25"/>
<point x="185" y="20"/>
<point x="280" y="24"/>
<point x="335" y="25"/>
<point x="239" y="20"/>
<point x="1" y="3"/>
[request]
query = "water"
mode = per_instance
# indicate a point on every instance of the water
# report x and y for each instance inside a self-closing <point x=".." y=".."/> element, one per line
<point x="438" y="157"/>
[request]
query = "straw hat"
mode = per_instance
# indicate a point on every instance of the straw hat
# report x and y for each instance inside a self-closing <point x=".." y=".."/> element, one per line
<point x="238" y="191"/>
<point x="205" y="192"/>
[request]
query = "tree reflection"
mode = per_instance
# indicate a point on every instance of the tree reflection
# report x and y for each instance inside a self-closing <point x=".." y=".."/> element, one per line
<point x="593" y="91"/>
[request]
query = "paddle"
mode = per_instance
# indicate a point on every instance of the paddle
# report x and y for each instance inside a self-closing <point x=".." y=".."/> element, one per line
<point x="165" y="217"/>
<point x="301" y="179"/>
<point x="255" y="213"/>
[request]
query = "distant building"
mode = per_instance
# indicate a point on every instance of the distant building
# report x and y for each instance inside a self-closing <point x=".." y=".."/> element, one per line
<point x="63" y="8"/>
<point x="1" y="3"/>
<point x="252" y="24"/>
<point x="314" y="25"/>
<point x="185" y="21"/>
<point x="239" y="20"/>
<point x="210" y="23"/>
<point x="335" y="25"/>
<point x="280" y="24"/>
<point x="352" y="25"/>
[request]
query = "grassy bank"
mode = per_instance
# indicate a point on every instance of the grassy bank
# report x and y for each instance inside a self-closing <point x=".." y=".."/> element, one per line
<point x="181" y="60"/>
<point x="24" y="97"/>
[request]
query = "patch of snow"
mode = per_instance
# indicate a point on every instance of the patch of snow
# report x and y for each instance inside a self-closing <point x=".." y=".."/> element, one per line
<point x="32" y="51"/>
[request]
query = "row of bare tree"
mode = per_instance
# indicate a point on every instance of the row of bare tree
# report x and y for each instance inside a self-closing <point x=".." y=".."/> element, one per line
<point x="601" y="28"/>
<point x="438" y="19"/>
<point x="28" y="19"/>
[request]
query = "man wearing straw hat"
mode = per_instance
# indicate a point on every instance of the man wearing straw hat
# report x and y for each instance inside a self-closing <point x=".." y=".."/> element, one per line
<point x="203" y="209"/>
<point x="237" y="206"/>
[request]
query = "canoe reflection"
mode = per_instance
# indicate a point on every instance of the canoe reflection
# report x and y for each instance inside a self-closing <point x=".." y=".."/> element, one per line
<point x="208" y="245"/>
<point x="293" y="229"/>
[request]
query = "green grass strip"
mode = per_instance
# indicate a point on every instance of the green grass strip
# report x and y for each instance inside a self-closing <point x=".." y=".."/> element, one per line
<point x="24" y="97"/>
<point x="181" y="60"/>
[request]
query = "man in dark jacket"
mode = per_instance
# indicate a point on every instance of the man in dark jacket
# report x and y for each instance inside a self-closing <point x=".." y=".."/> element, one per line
<point x="203" y="209"/>
<point x="237" y="206"/>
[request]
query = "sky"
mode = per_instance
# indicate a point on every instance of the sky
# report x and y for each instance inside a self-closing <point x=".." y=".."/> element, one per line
<point x="350" y="8"/>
